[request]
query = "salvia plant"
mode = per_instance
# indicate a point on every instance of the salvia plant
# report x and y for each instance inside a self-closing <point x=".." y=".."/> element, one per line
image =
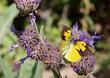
<point x="76" y="48"/>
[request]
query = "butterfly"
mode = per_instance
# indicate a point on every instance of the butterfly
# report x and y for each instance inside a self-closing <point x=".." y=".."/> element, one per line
<point x="65" y="36"/>
<point x="73" y="51"/>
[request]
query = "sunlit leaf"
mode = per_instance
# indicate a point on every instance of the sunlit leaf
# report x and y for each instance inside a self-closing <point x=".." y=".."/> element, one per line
<point x="6" y="69"/>
<point x="6" y="20"/>
<point x="26" y="69"/>
<point x="38" y="70"/>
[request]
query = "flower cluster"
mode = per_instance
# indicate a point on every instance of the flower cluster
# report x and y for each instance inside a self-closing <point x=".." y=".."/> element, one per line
<point x="36" y="49"/>
<point x="86" y="64"/>
<point x="27" y="6"/>
<point x="80" y="35"/>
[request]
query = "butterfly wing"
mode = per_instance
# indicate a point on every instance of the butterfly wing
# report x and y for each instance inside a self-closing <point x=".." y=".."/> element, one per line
<point x="65" y="36"/>
<point x="72" y="54"/>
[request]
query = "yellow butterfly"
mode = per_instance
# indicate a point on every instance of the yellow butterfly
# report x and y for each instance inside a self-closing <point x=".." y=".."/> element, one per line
<point x="71" y="51"/>
<point x="66" y="34"/>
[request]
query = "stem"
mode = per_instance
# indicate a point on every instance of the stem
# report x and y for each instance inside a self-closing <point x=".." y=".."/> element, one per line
<point x="33" y="23"/>
<point x="56" y="72"/>
<point x="59" y="72"/>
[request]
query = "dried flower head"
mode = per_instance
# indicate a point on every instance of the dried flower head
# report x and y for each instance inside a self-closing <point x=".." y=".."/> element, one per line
<point x="27" y="6"/>
<point x="36" y="49"/>
<point x="84" y="66"/>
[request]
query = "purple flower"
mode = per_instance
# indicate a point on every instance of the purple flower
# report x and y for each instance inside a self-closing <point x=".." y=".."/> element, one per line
<point x="13" y="29"/>
<point x="75" y="28"/>
<point x="16" y="66"/>
<point x="12" y="47"/>
<point x="27" y="6"/>
<point x="84" y="36"/>
<point x="36" y="49"/>
<point x="22" y="60"/>
<point x="84" y="66"/>
<point x="95" y="37"/>
<point x="87" y="62"/>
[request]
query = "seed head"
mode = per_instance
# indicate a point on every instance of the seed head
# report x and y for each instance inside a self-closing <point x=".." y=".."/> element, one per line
<point x="84" y="66"/>
<point x="27" y="6"/>
<point x="36" y="49"/>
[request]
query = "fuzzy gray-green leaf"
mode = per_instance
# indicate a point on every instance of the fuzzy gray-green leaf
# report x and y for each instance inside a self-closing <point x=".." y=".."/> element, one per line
<point x="6" y="20"/>
<point x="6" y="69"/>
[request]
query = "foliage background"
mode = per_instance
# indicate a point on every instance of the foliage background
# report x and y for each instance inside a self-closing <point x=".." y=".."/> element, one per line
<point x="91" y="15"/>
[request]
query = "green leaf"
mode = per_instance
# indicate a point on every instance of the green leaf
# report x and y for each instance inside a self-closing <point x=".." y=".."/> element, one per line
<point x="6" y="20"/>
<point x="26" y="69"/>
<point x="90" y="21"/>
<point x="31" y="69"/>
<point x="38" y="70"/>
<point x="6" y="69"/>
<point x="34" y="69"/>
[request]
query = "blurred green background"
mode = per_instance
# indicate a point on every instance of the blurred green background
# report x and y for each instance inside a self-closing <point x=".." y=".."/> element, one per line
<point x="91" y="15"/>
